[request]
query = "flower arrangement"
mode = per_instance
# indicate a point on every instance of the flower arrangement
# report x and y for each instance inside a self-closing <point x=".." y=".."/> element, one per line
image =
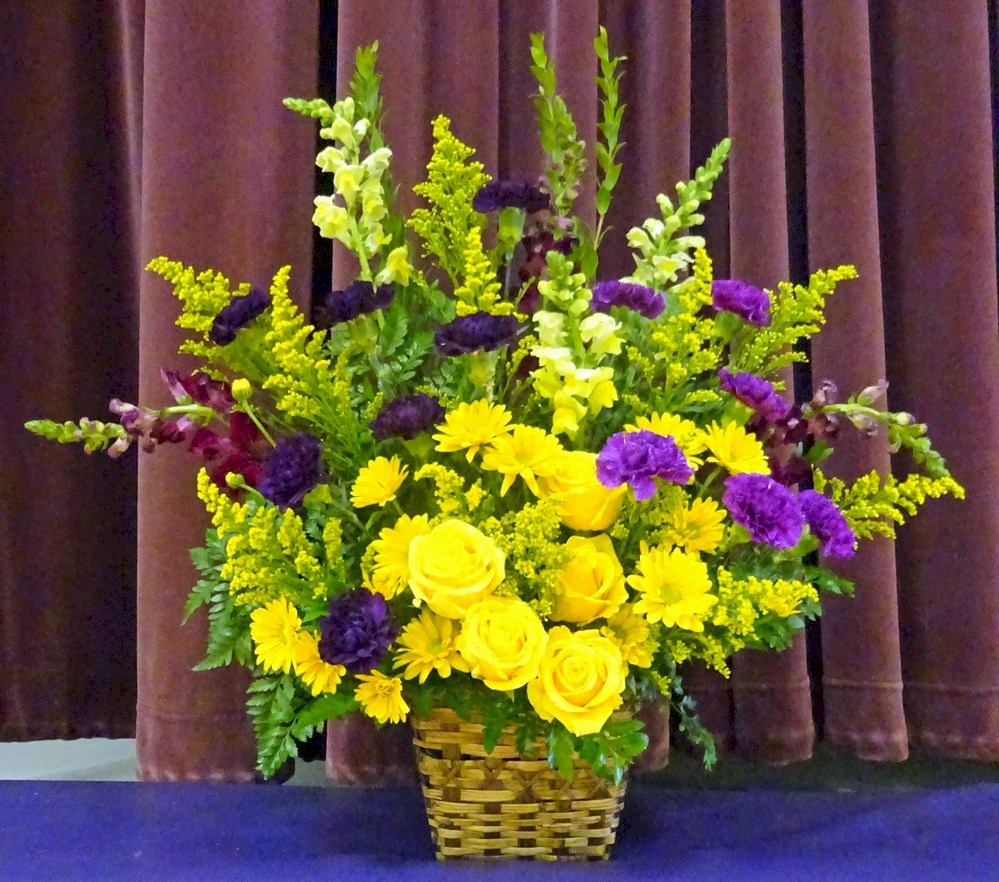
<point x="486" y="476"/>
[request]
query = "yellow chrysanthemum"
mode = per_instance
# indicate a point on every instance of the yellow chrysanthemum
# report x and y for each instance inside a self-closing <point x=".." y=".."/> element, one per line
<point x="470" y="426"/>
<point x="381" y="698"/>
<point x="378" y="482"/>
<point x="675" y="588"/>
<point x="318" y="675"/>
<point x="735" y="449"/>
<point x="274" y="631"/>
<point x="527" y="452"/>
<point x="629" y="631"/>
<point x="390" y="573"/>
<point x="428" y="644"/>
<point x="683" y="431"/>
<point x="697" y="527"/>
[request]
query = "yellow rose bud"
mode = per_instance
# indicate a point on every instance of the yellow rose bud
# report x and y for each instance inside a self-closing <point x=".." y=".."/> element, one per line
<point x="502" y="639"/>
<point x="580" y="680"/>
<point x="452" y="567"/>
<point x="586" y="503"/>
<point x="592" y="583"/>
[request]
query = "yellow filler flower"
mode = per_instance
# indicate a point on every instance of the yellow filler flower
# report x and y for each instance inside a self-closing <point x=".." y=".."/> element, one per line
<point x="378" y="482"/>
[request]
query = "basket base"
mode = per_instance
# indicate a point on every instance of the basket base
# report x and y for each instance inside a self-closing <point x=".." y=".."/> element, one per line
<point x="501" y="805"/>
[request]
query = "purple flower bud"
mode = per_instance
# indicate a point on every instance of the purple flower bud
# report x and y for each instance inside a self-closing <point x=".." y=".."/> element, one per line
<point x="756" y="393"/>
<point x="358" y="298"/>
<point x="293" y="468"/>
<point x="827" y="524"/>
<point x="475" y="332"/>
<point x="357" y="631"/>
<point x="767" y="509"/>
<point x="511" y="194"/>
<point x="407" y="417"/>
<point x="637" y="298"/>
<point x="636" y="458"/>
<point x="238" y="314"/>
<point x="200" y="388"/>
<point x="751" y="304"/>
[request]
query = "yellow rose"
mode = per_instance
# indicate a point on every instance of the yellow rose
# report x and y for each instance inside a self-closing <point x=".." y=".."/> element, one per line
<point x="452" y="567"/>
<point x="592" y="584"/>
<point x="586" y="503"/>
<point x="579" y="682"/>
<point x="502" y="639"/>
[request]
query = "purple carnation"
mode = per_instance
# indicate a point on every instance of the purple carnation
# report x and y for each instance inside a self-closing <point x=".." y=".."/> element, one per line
<point x="748" y="302"/>
<point x="358" y="298"/>
<point x="357" y="631"/>
<point x="756" y="393"/>
<point x="407" y="417"/>
<point x="292" y="469"/>
<point x="478" y="331"/>
<point x="511" y="194"/>
<point x="238" y="314"/>
<point x="827" y="524"/>
<point x="638" y="457"/>
<point x="764" y="507"/>
<point x="637" y="298"/>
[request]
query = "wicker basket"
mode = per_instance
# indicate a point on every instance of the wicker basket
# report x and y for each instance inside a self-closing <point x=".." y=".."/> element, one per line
<point x="501" y="805"/>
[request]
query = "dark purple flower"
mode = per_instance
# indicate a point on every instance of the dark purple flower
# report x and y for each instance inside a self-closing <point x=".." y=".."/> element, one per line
<point x="293" y="468"/>
<point x="241" y="310"/>
<point x="357" y="631"/>
<point x="407" y="417"/>
<point x="200" y="388"/>
<point x="791" y="471"/>
<point x="764" y="507"/>
<point x="511" y="194"/>
<point x="358" y="298"/>
<point x="478" y="331"/>
<point x="756" y="393"/>
<point x="746" y="301"/>
<point x="241" y="452"/>
<point x="637" y="298"/>
<point x="827" y="524"/>
<point x="636" y="458"/>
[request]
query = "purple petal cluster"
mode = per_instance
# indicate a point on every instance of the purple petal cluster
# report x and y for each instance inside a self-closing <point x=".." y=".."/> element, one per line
<point x="637" y="458"/>
<point x="407" y="417"/>
<point x="756" y="393"/>
<point x="827" y="524"/>
<point x="475" y="332"/>
<point x="357" y="631"/>
<point x="200" y="388"/>
<point x="750" y="303"/>
<point x="238" y="314"/>
<point x="358" y="298"/>
<point x="292" y="469"/>
<point x="637" y="298"/>
<point x="511" y="194"/>
<point x="767" y="509"/>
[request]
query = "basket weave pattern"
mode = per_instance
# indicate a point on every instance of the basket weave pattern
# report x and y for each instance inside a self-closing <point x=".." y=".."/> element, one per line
<point x="502" y="805"/>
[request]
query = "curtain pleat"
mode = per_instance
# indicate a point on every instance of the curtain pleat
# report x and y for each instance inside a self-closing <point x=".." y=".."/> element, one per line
<point x="937" y="224"/>
<point x="227" y="181"/>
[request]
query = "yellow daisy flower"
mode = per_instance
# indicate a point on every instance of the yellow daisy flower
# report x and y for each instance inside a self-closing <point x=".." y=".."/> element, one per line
<point x="390" y="573"/>
<point x="318" y="675"/>
<point x="697" y="527"/>
<point x="629" y="631"/>
<point x="735" y="449"/>
<point x="470" y="426"/>
<point x="381" y="698"/>
<point x="675" y="588"/>
<point x="683" y="431"/>
<point x="378" y="482"/>
<point x="274" y="631"/>
<point x="428" y="644"/>
<point x="528" y="452"/>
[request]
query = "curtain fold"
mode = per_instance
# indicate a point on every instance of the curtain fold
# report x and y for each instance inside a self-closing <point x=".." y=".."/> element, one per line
<point x="860" y="135"/>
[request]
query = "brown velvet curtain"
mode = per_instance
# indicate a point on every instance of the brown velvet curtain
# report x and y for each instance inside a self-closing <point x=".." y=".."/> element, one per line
<point x="860" y="135"/>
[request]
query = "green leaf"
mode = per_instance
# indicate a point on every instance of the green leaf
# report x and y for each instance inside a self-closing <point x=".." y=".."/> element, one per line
<point x="561" y="750"/>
